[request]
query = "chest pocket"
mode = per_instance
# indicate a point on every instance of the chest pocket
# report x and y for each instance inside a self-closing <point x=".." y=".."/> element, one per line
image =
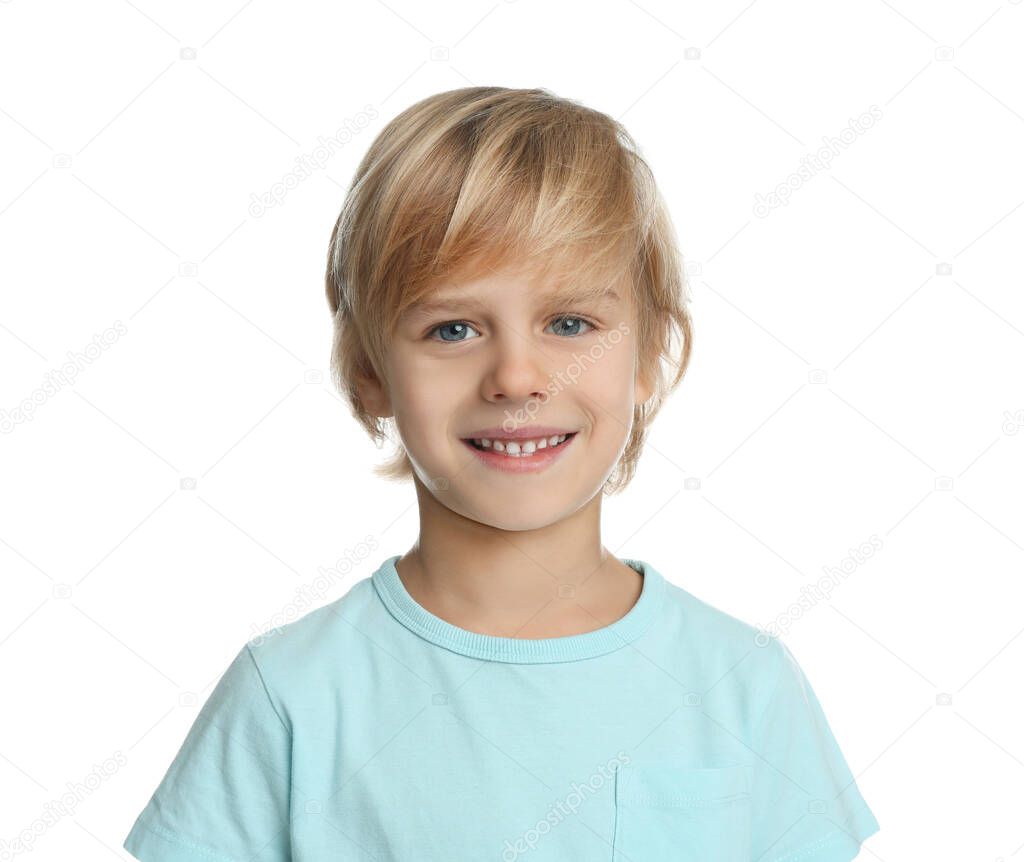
<point x="683" y="814"/>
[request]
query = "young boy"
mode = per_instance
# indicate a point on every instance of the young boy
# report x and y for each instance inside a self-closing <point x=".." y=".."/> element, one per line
<point x="506" y="290"/>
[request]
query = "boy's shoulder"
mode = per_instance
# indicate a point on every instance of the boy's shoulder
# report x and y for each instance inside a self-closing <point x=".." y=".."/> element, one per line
<point x="706" y="619"/>
<point x="736" y="665"/>
<point x="698" y="629"/>
<point x="325" y="632"/>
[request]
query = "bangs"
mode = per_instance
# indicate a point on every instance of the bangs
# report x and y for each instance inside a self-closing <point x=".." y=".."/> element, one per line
<point x="558" y="194"/>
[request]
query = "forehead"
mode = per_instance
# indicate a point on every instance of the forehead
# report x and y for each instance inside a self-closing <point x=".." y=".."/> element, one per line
<point x="481" y="290"/>
<point x="454" y="299"/>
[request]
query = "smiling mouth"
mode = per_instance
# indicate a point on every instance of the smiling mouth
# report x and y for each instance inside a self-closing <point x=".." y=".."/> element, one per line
<point x="519" y="448"/>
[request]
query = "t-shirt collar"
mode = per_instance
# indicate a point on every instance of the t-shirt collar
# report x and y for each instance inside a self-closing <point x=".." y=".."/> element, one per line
<point x="406" y="610"/>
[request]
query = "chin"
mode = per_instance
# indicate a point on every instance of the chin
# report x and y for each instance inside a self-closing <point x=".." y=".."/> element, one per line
<point x="491" y="514"/>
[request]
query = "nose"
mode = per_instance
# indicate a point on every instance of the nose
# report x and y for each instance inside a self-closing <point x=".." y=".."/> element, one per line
<point x="517" y="370"/>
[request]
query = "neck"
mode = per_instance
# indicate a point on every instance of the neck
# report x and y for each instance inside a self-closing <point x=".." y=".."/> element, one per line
<point x="552" y="581"/>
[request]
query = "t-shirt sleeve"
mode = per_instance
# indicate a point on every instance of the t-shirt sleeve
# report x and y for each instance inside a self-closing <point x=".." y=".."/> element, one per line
<point x="807" y="807"/>
<point x="225" y="796"/>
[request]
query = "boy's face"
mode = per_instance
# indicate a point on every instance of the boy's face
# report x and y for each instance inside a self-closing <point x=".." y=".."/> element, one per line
<point x="503" y="353"/>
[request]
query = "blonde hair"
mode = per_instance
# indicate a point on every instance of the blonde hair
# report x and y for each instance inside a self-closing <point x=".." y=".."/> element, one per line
<point x="474" y="178"/>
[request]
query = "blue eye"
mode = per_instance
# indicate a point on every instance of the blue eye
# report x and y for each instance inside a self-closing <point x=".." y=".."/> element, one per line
<point x="458" y="326"/>
<point x="578" y="320"/>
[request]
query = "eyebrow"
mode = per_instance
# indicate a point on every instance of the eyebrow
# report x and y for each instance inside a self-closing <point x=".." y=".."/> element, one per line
<point x="426" y="307"/>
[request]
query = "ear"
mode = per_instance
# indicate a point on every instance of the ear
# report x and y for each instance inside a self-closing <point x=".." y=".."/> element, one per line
<point x="644" y="388"/>
<point x="374" y="396"/>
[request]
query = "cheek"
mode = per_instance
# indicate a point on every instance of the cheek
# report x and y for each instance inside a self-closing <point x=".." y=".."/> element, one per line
<point x="423" y="398"/>
<point x="609" y="380"/>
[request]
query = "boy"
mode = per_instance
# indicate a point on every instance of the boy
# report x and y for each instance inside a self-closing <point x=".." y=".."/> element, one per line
<point x="506" y="287"/>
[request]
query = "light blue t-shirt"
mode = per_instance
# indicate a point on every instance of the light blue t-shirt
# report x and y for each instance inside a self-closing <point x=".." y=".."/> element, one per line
<point x="371" y="729"/>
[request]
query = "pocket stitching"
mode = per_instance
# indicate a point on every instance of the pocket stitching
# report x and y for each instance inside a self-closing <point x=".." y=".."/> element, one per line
<point x="695" y="800"/>
<point x="632" y="790"/>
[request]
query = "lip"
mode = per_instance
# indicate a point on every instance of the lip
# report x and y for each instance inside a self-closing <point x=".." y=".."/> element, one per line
<point x="527" y="432"/>
<point x="539" y="460"/>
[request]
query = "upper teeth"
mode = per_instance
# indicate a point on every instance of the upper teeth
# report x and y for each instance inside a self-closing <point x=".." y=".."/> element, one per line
<point x="517" y="447"/>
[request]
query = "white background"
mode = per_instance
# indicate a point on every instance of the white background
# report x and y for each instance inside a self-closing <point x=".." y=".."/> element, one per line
<point x="856" y="381"/>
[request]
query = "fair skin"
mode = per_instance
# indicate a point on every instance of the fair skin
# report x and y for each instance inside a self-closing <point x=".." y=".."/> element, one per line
<point x="494" y="352"/>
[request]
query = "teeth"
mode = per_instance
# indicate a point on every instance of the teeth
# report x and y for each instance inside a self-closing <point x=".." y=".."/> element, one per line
<point x="519" y="448"/>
